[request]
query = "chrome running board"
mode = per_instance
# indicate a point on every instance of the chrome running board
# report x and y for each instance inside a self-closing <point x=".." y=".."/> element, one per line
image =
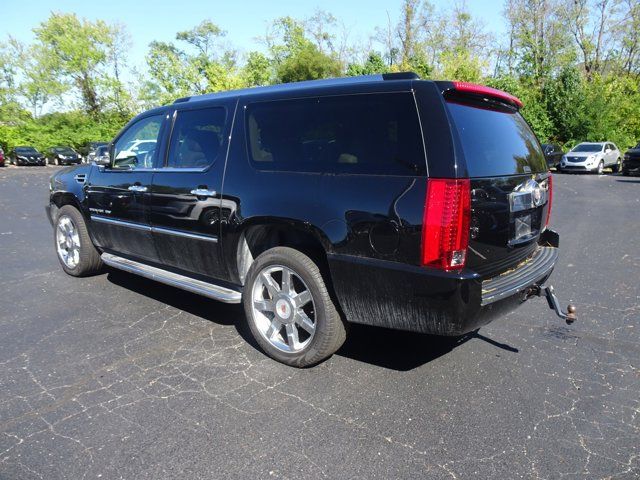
<point x="205" y="289"/>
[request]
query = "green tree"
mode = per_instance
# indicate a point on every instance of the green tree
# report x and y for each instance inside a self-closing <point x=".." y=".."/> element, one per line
<point x="308" y="63"/>
<point x="77" y="50"/>
<point x="204" y="64"/>
<point x="257" y="70"/>
<point x="539" y="43"/>
<point x="374" y="64"/>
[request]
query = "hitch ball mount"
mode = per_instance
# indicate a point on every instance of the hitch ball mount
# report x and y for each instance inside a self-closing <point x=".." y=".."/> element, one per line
<point x="569" y="316"/>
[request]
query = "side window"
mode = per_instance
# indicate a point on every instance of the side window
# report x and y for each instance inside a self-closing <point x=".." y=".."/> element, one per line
<point x="136" y="147"/>
<point x="365" y="134"/>
<point x="197" y="138"/>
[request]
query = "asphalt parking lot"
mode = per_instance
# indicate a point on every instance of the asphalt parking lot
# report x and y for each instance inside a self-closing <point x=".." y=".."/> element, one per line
<point x="118" y="377"/>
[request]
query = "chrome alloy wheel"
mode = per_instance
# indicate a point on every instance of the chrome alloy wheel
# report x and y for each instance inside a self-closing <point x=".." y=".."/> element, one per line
<point x="68" y="242"/>
<point x="283" y="309"/>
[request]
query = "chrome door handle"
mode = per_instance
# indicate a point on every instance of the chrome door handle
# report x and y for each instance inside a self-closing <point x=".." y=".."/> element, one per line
<point x="203" y="192"/>
<point x="137" y="188"/>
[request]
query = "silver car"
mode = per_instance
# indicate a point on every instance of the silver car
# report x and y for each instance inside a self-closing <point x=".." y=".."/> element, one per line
<point x="592" y="157"/>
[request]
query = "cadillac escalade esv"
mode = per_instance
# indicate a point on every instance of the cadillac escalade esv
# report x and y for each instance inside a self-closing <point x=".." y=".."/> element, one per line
<point x="385" y="200"/>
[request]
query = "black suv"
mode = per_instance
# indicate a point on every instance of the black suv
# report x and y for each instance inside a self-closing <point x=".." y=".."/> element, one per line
<point x="631" y="162"/>
<point x="385" y="200"/>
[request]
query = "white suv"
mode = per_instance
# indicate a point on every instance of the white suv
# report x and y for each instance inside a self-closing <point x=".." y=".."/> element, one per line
<point x="592" y="157"/>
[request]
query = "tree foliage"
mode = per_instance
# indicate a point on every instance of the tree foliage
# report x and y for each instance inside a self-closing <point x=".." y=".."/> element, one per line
<point x="574" y="63"/>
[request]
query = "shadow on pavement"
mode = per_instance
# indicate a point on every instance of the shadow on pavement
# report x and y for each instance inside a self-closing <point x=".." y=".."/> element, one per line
<point x="628" y="181"/>
<point x="392" y="349"/>
<point x="403" y="351"/>
<point x="217" y="312"/>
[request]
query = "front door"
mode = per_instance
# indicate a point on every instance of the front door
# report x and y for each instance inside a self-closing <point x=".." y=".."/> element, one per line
<point x="118" y="194"/>
<point x="186" y="190"/>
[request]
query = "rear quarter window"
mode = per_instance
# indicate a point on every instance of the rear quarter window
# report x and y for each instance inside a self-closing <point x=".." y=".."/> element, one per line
<point x="375" y="134"/>
<point x="496" y="142"/>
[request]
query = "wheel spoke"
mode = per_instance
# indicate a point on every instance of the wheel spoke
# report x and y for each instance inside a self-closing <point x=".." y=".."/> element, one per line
<point x="263" y="305"/>
<point x="278" y="314"/>
<point x="286" y="281"/>
<point x="268" y="281"/>
<point x="305" y="322"/>
<point x="292" y="336"/>
<point x="302" y="298"/>
<point x="273" y="328"/>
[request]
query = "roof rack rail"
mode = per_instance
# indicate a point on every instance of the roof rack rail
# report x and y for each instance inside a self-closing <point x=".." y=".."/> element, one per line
<point x="401" y="76"/>
<point x="182" y="100"/>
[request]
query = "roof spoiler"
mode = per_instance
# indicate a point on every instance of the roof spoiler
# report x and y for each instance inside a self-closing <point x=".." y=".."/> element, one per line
<point x="483" y="91"/>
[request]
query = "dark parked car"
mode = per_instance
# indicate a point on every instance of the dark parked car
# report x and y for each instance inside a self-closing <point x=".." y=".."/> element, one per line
<point x="63" y="156"/>
<point x="384" y="200"/>
<point x="552" y="154"/>
<point x="631" y="162"/>
<point x="1" y="157"/>
<point x="89" y="150"/>
<point x="26" y="156"/>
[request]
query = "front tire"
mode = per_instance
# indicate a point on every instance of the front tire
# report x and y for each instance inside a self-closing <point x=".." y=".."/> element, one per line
<point x="600" y="168"/>
<point x="75" y="250"/>
<point x="289" y="309"/>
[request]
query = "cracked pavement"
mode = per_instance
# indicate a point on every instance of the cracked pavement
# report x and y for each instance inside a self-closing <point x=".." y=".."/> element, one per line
<point x="117" y="377"/>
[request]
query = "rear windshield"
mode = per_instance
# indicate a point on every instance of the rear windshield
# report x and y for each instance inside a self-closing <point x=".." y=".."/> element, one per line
<point x="587" y="147"/>
<point x="496" y="142"/>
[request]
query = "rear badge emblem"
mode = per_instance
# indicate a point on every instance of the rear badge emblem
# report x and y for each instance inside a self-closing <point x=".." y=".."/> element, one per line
<point x="527" y="195"/>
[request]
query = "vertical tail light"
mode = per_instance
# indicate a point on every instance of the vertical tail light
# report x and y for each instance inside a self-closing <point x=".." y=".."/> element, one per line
<point x="550" y="198"/>
<point x="445" y="225"/>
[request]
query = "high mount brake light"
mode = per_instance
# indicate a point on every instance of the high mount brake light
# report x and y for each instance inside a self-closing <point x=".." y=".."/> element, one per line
<point x="474" y="89"/>
<point x="445" y="225"/>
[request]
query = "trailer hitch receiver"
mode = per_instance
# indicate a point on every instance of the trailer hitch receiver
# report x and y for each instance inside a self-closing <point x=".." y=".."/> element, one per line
<point x="569" y="316"/>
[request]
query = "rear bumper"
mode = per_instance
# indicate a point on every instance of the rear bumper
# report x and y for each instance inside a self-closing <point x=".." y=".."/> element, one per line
<point x="406" y="297"/>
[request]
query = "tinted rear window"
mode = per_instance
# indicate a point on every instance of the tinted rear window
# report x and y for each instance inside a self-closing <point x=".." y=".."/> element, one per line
<point x="361" y="134"/>
<point x="496" y="142"/>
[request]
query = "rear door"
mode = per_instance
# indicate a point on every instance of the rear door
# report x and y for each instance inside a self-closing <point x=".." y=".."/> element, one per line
<point x="186" y="192"/>
<point x="509" y="181"/>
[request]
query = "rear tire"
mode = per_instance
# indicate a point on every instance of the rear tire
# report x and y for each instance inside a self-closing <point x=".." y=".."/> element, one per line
<point x="294" y="321"/>
<point x="75" y="250"/>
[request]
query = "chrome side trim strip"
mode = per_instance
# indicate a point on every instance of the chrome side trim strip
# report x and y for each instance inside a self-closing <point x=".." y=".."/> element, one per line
<point x="121" y="223"/>
<point x="146" y="228"/>
<point x="199" y="287"/>
<point x="180" y="233"/>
